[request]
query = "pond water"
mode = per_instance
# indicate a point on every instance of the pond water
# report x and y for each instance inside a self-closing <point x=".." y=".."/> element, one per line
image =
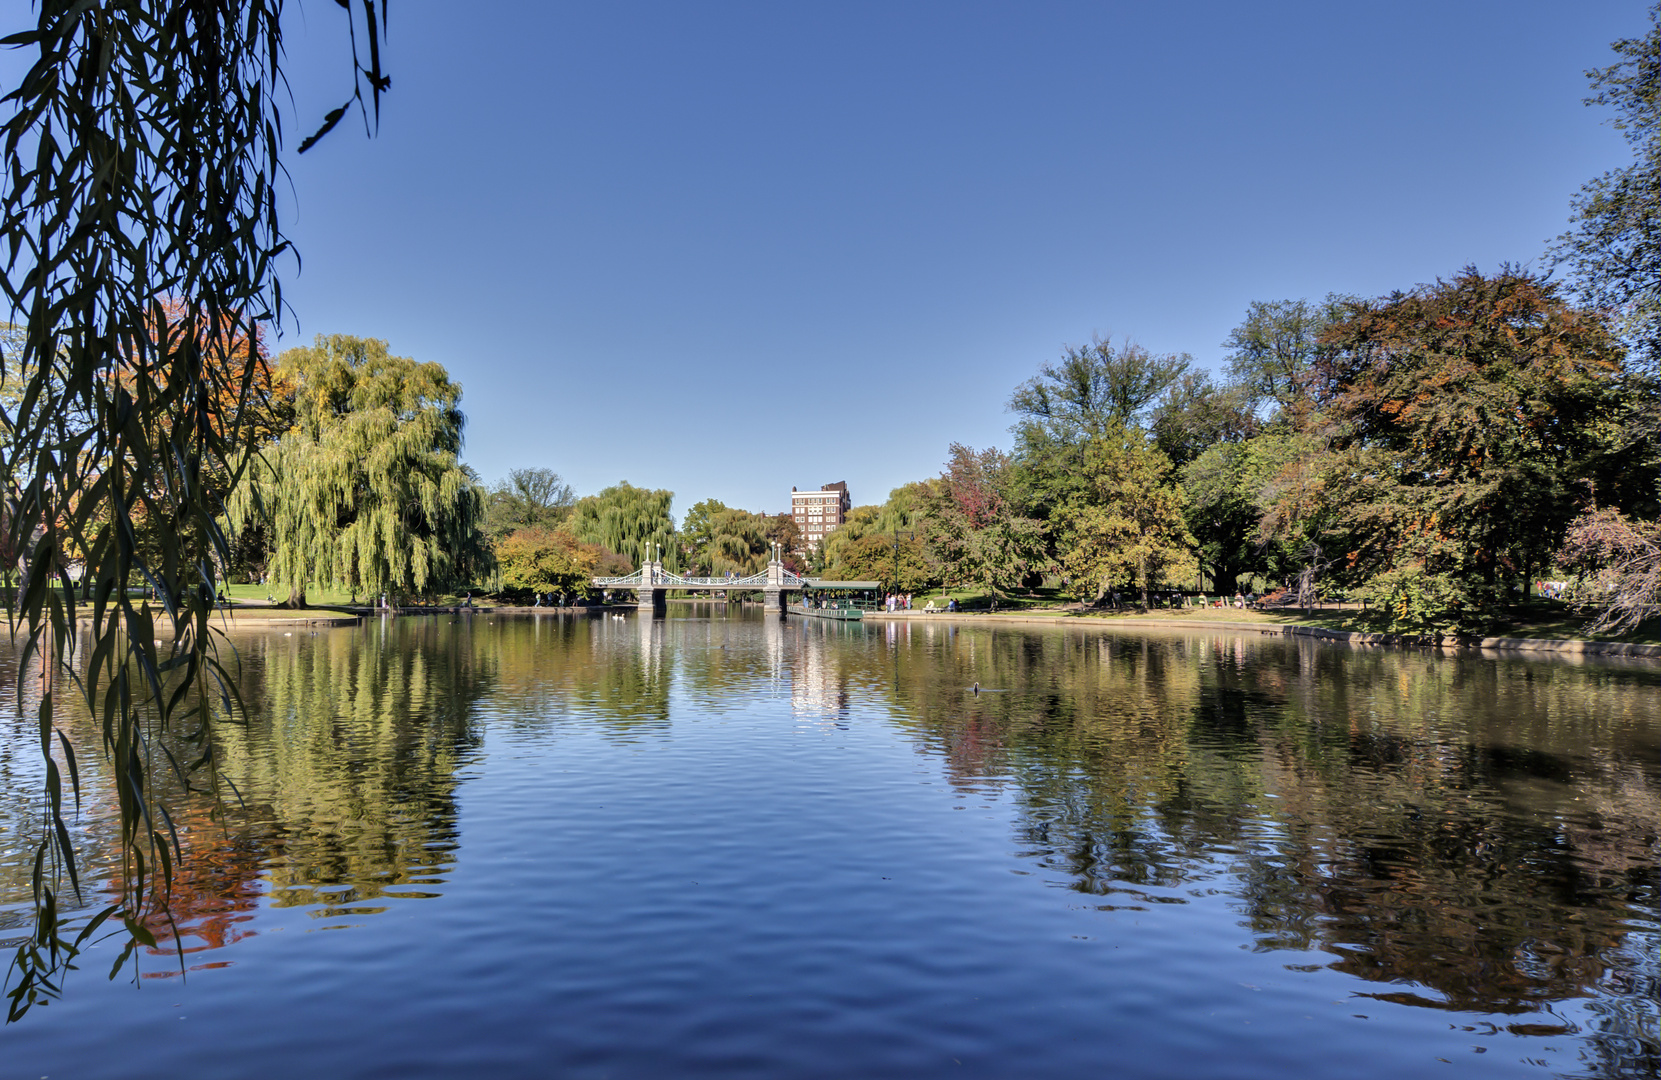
<point x="721" y="845"/>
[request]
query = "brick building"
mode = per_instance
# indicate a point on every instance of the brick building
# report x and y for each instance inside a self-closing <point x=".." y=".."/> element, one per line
<point x="818" y="512"/>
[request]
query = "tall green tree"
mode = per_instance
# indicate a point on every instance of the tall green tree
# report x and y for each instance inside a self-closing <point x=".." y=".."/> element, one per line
<point x="1468" y="415"/>
<point x="525" y="499"/>
<point x="975" y="528"/>
<point x="629" y="521"/>
<point x="1130" y="528"/>
<point x="1614" y="239"/>
<point x="1092" y="392"/>
<point x="858" y="523"/>
<point x="901" y="564"/>
<point x="367" y="490"/>
<point x="1197" y="413"/>
<point x="736" y="542"/>
<point x="1220" y="509"/>
<point x="1272" y="352"/>
<point x="1613" y="247"/>
<point x="1095" y="390"/>
<point x="697" y="533"/>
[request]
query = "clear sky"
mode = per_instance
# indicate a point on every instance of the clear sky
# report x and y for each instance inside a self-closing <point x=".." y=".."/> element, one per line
<point x="728" y="248"/>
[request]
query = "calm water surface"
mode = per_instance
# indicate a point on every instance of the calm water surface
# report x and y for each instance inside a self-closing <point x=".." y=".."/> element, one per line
<point x="715" y="845"/>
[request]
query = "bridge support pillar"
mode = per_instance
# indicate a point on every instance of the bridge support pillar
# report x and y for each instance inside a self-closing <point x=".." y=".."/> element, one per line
<point x="774" y="599"/>
<point x="652" y="601"/>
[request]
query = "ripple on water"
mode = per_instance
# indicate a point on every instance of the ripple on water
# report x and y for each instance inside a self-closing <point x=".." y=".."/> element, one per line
<point x="729" y="847"/>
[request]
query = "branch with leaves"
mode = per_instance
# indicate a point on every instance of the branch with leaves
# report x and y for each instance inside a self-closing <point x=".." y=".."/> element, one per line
<point x="141" y="163"/>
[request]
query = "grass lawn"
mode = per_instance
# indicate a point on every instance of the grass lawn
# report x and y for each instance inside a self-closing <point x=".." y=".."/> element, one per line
<point x="314" y="598"/>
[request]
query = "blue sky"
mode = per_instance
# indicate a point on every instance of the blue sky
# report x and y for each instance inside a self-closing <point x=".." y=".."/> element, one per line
<point x="729" y="248"/>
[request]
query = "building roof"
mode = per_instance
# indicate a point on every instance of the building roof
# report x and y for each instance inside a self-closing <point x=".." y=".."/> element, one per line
<point x="821" y="583"/>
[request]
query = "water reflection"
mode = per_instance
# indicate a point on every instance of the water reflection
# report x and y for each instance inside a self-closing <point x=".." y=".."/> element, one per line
<point x="1465" y="836"/>
<point x="1470" y="835"/>
<point x="349" y="764"/>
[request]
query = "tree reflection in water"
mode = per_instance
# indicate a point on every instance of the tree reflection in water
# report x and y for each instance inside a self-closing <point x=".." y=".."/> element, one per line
<point x="1469" y="834"/>
<point x="1463" y="834"/>
<point x="341" y="783"/>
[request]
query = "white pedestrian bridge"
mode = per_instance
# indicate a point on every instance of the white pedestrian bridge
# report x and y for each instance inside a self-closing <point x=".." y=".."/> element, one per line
<point x="652" y="582"/>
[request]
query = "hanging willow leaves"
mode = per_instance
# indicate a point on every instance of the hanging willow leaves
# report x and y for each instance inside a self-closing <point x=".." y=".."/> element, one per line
<point x="630" y="521"/>
<point x="367" y="491"/>
<point x="141" y="159"/>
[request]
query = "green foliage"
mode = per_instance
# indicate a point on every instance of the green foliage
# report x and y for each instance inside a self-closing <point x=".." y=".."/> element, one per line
<point x="739" y="544"/>
<point x="1614" y="240"/>
<point x="902" y="566"/>
<point x="973" y="526"/>
<point x="1130" y="528"/>
<point x="903" y="508"/>
<point x="1221" y="512"/>
<point x="543" y="560"/>
<point x="1285" y="473"/>
<point x="1423" y="603"/>
<point x="141" y="160"/>
<point x="783" y="531"/>
<point x="629" y="520"/>
<point x="1614" y="248"/>
<point x="1272" y="353"/>
<point x="367" y="491"/>
<point x="1095" y="390"/>
<point x="698" y="529"/>
<point x="1467" y="416"/>
<point x="901" y="515"/>
<point x="716" y="539"/>
<point x="1197" y="413"/>
<point x="858" y="523"/>
<point x="527" y="498"/>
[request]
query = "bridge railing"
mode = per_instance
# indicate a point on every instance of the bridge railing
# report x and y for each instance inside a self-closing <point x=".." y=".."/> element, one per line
<point x="667" y="580"/>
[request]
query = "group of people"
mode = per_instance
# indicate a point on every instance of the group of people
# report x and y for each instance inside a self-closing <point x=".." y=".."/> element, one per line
<point x="896" y="602"/>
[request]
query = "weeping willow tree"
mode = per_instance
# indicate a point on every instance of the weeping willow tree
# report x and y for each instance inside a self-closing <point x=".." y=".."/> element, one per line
<point x="628" y="520"/>
<point x="366" y="491"/>
<point x="140" y="163"/>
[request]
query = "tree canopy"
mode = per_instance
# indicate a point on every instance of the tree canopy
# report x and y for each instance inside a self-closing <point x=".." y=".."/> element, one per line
<point x="1130" y="527"/>
<point x="629" y="521"/>
<point x="974" y="525"/>
<point x="1466" y="416"/>
<point x="537" y="559"/>
<point x="367" y="490"/>
<point x="1095" y="389"/>
<point x="1614" y="240"/>
<point x="525" y="499"/>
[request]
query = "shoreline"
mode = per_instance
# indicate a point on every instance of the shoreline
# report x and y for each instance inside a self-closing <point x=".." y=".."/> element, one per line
<point x="266" y="617"/>
<point x="1568" y="646"/>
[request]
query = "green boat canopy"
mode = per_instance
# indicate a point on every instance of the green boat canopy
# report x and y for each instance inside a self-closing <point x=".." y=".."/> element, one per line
<point x="821" y="583"/>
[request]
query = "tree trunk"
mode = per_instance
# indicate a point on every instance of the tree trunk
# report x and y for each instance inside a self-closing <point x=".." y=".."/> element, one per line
<point x="296" y="597"/>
